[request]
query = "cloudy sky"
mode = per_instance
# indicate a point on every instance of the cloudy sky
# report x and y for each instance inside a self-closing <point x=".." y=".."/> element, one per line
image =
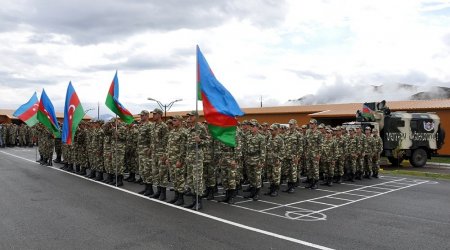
<point x="274" y="49"/>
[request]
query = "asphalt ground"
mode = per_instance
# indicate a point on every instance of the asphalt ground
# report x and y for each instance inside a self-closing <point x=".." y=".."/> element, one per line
<point x="47" y="208"/>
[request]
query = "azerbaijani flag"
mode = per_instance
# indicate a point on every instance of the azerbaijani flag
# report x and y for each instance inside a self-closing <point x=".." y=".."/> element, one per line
<point x="219" y="106"/>
<point x="73" y="114"/>
<point x="28" y="111"/>
<point x="46" y="115"/>
<point x="112" y="102"/>
<point x="367" y="112"/>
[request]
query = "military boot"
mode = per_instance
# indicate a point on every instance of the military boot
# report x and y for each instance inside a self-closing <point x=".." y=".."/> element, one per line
<point x="82" y="171"/>
<point x="64" y="167"/>
<point x="297" y="183"/>
<point x="132" y="177"/>
<point x="77" y="168"/>
<point x="144" y="190"/>
<point x="192" y="204"/>
<point x="248" y="189"/>
<point x="120" y="180"/>
<point x="226" y="198"/>
<point x="306" y="180"/>
<point x="70" y="168"/>
<point x="351" y="177"/>
<point x="338" y="179"/>
<point x="99" y="176"/>
<point x="330" y="181"/>
<point x="40" y="158"/>
<point x="58" y="159"/>
<point x="314" y="185"/>
<point x="210" y="194"/>
<point x="375" y="175"/>
<point x="309" y="184"/>
<point x="270" y="190"/>
<point x="188" y="192"/>
<point x="149" y="189"/>
<point x="358" y="175"/>
<point x="175" y="198"/>
<point x="252" y="193"/>
<point x="180" y="200"/>
<point x="256" y="196"/>
<point x="275" y="191"/>
<point x="92" y="174"/>
<point x="139" y="181"/>
<point x="158" y="192"/>
<point x="162" y="196"/>
<point x="49" y="163"/>
<point x="110" y="179"/>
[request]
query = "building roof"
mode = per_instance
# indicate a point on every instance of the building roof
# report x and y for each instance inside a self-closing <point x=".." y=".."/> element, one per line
<point x="341" y="109"/>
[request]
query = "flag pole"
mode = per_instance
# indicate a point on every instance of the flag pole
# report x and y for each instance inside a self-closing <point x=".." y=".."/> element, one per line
<point x="115" y="145"/>
<point x="196" y="132"/>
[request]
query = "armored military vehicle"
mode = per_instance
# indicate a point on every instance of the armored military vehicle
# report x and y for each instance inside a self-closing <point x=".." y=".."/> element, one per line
<point x="413" y="136"/>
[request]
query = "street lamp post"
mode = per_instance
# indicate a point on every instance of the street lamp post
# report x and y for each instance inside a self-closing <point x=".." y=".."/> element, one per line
<point x="164" y="107"/>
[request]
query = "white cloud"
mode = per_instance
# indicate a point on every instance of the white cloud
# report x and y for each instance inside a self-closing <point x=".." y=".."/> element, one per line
<point x="255" y="49"/>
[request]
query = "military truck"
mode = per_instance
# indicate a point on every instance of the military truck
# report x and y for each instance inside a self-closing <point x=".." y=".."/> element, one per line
<point x="412" y="136"/>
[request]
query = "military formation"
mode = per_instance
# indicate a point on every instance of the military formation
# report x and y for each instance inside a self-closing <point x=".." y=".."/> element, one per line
<point x="181" y="154"/>
<point x="12" y="135"/>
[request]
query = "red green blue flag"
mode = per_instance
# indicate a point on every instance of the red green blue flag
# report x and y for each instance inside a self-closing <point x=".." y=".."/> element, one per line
<point x="46" y="115"/>
<point x="28" y="111"/>
<point x="219" y="106"/>
<point x="73" y="114"/>
<point x="367" y="113"/>
<point x="112" y="102"/>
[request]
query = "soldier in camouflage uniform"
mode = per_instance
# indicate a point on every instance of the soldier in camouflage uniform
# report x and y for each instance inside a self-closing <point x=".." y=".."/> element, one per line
<point x="377" y="149"/>
<point x="256" y="152"/>
<point x="209" y="168"/>
<point x="352" y="146"/>
<point x="229" y="158"/>
<point x="1" y="135"/>
<point x="176" y="155"/>
<point x="195" y="141"/>
<point x="131" y="154"/>
<point x="118" y="159"/>
<point x="159" y="148"/>
<point x="339" y="155"/>
<point x="292" y="156"/>
<point x="274" y="157"/>
<point x="80" y="147"/>
<point x="361" y="153"/>
<point x="99" y="136"/>
<point x="108" y="129"/>
<point x="144" y="139"/>
<point x="22" y="133"/>
<point x="369" y="152"/>
<point x="327" y="157"/>
<point x="90" y="139"/>
<point x="313" y="143"/>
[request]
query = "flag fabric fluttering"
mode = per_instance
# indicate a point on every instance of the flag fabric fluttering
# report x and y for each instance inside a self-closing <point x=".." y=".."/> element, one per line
<point x="46" y="115"/>
<point x="367" y="113"/>
<point x="219" y="106"/>
<point x="73" y="114"/>
<point x="112" y="102"/>
<point x="28" y="111"/>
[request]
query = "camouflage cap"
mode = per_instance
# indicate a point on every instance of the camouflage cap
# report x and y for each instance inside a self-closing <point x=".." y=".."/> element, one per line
<point x="374" y="130"/>
<point x="254" y="122"/>
<point x="265" y="124"/>
<point x="338" y="127"/>
<point x="304" y="126"/>
<point x="192" y="113"/>
<point x="313" y="121"/>
<point x="157" y="111"/>
<point x="329" y="131"/>
<point x="144" y="112"/>
<point x="273" y="127"/>
<point x="292" y="121"/>
<point x="169" y="121"/>
<point x="177" y="117"/>
<point x="244" y="122"/>
<point x="328" y="127"/>
<point x="321" y="126"/>
<point x="358" y="127"/>
<point x="351" y="130"/>
<point x="368" y="128"/>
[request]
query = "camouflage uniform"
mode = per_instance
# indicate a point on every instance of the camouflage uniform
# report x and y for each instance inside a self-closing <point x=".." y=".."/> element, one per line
<point x="209" y="168"/>
<point x="108" y="150"/>
<point x="159" y="149"/>
<point x="144" y="139"/>
<point x="256" y="152"/>
<point x="377" y="149"/>
<point x="229" y="158"/>
<point x="118" y="159"/>
<point x="194" y="159"/>
<point x="175" y="160"/>
<point x="131" y="155"/>
<point x="352" y="146"/>
<point x="274" y="157"/>
<point x="22" y="135"/>
<point x="313" y="141"/>
<point x="340" y="157"/>
<point x="327" y="158"/>
<point x="99" y="139"/>
<point x="362" y="151"/>
<point x="368" y="156"/>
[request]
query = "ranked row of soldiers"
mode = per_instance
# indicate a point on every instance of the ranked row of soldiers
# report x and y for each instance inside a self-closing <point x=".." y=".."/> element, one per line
<point x="184" y="153"/>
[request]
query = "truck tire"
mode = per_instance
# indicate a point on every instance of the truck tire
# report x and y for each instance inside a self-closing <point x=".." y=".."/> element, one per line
<point x="419" y="158"/>
<point x="394" y="161"/>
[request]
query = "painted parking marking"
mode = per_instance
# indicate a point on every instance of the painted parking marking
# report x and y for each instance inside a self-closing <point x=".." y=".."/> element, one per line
<point x="304" y="212"/>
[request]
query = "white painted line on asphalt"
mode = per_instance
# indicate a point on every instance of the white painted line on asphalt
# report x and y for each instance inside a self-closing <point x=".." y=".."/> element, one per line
<point x="382" y="188"/>
<point x="360" y="195"/>
<point x="351" y="184"/>
<point x="326" y="190"/>
<point x="337" y="198"/>
<point x="323" y="203"/>
<point x="253" y="229"/>
<point x="363" y="190"/>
